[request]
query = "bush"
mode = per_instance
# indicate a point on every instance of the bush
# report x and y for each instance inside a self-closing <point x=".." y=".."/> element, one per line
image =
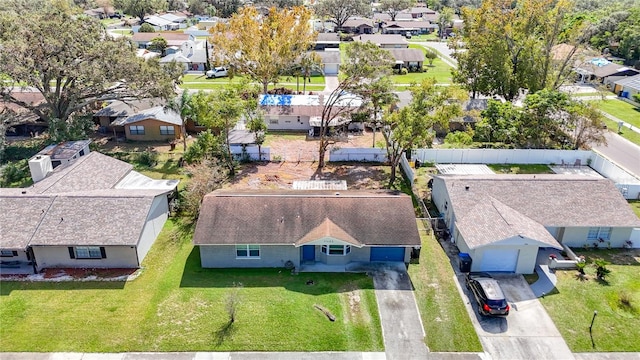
<point x="146" y="28"/>
<point x="147" y="158"/>
<point x="15" y="172"/>
<point x="404" y="71"/>
<point x="636" y="97"/>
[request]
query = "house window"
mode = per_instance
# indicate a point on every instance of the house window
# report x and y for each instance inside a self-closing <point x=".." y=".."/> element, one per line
<point x="87" y="252"/>
<point x="273" y="121"/>
<point x="8" y="253"/>
<point x="336" y="249"/>
<point x="596" y="233"/>
<point x="136" y="130"/>
<point x="167" y="130"/>
<point x="248" y="251"/>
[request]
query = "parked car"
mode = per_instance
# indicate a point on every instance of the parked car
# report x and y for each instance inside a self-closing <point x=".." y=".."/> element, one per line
<point x="488" y="294"/>
<point x="407" y="34"/>
<point x="217" y="72"/>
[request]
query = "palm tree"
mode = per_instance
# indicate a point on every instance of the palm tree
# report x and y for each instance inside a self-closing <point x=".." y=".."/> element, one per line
<point x="444" y="19"/>
<point x="182" y="105"/>
<point x="310" y="63"/>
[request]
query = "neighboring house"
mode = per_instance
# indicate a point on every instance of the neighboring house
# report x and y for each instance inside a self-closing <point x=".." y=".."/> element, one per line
<point x="385" y="17"/>
<point x="98" y="13"/>
<point x="305" y="228"/>
<point x="330" y="61"/>
<point x="503" y="220"/>
<point x="601" y="69"/>
<point x="143" y="40"/>
<point x="154" y="124"/>
<point x="303" y="112"/>
<point x="118" y="110"/>
<point x="408" y="58"/>
<point x="360" y="26"/>
<point x="160" y="23"/>
<point x="385" y="41"/>
<point x="191" y="54"/>
<point x="56" y="155"/>
<point x="327" y="41"/>
<point x="628" y="86"/>
<point x="414" y="27"/>
<point x="177" y="18"/>
<point x="472" y="109"/>
<point x="92" y="212"/>
<point x="23" y="122"/>
<point x="421" y="12"/>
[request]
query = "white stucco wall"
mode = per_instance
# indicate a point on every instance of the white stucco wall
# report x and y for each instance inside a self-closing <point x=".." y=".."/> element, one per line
<point x="156" y="218"/>
<point x="22" y="255"/>
<point x="224" y="256"/>
<point x="287" y="122"/>
<point x="58" y="257"/>
<point x="577" y="237"/>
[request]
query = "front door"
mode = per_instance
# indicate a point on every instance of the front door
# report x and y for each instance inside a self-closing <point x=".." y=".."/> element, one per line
<point x="308" y="253"/>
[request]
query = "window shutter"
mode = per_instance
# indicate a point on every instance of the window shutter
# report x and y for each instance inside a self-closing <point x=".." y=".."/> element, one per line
<point x="103" y="253"/>
<point x="15" y="253"/>
<point x="72" y="253"/>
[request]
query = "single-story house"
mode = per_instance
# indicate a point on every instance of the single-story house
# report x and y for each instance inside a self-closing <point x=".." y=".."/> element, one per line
<point x="601" y="69"/>
<point x="359" y="26"/>
<point x="156" y="123"/>
<point x="303" y="112"/>
<point x="94" y="211"/>
<point x="143" y="40"/>
<point x="239" y="229"/>
<point x="502" y="221"/>
<point x="23" y="122"/>
<point x="330" y="61"/>
<point x="384" y="17"/>
<point x="177" y="17"/>
<point x="408" y="58"/>
<point x="161" y="24"/>
<point x="192" y="55"/>
<point x="420" y="12"/>
<point x="472" y="109"/>
<point x="117" y="111"/>
<point x="628" y="86"/>
<point x="385" y="41"/>
<point x="99" y="12"/>
<point x="327" y="41"/>
<point x="414" y="27"/>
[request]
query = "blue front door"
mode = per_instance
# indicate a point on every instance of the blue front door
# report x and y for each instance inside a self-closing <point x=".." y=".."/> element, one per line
<point x="308" y="253"/>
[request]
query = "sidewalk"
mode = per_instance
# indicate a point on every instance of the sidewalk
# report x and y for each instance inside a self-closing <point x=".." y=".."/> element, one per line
<point x="624" y="123"/>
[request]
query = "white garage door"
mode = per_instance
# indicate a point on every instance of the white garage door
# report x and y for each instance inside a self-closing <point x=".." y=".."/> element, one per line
<point x="500" y="260"/>
<point x="331" y="69"/>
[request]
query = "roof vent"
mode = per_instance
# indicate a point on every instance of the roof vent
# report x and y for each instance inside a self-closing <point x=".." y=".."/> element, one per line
<point x="337" y="194"/>
<point x="466" y="187"/>
<point x="24" y="192"/>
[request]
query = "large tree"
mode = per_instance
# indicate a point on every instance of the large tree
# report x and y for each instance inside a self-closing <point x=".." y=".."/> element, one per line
<point x="510" y="46"/>
<point x="393" y="7"/>
<point x="339" y="11"/>
<point x="141" y="8"/>
<point x="412" y="125"/>
<point x="263" y="47"/>
<point x="184" y="106"/>
<point x="72" y="62"/>
<point x="445" y="18"/>
<point x="364" y="63"/>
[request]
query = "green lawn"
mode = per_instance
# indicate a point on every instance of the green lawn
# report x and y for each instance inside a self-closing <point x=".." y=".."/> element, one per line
<point x="175" y="305"/>
<point x="622" y="110"/>
<point x="440" y="71"/>
<point x="520" y="168"/>
<point x="626" y="133"/>
<point x="444" y="317"/>
<point x="424" y="37"/>
<point x="617" y="325"/>
<point x="635" y="205"/>
<point x="124" y="32"/>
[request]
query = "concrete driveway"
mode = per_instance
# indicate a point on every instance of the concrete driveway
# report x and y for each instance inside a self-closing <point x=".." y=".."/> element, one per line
<point x="527" y="333"/>
<point x="399" y="316"/>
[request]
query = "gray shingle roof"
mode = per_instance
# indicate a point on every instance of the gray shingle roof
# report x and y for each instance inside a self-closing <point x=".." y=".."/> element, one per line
<point x="632" y="82"/>
<point x="285" y="217"/>
<point x="551" y="200"/>
<point x="329" y="57"/>
<point x="115" y="218"/>
<point x="382" y="39"/>
<point x="119" y="108"/>
<point x="21" y="215"/>
<point x="159" y="113"/>
<point x="93" y="171"/>
<point x="405" y="55"/>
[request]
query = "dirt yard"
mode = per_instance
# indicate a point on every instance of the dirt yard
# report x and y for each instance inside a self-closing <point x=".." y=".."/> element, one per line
<point x="294" y="147"/>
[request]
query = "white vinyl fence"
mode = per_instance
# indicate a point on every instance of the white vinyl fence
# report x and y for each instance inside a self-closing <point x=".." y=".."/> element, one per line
<point x="251" y="152"/>
<point x="358" y="154"/>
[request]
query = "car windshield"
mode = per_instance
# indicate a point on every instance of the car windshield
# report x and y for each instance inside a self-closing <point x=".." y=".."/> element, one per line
<point x="497" y="303"/>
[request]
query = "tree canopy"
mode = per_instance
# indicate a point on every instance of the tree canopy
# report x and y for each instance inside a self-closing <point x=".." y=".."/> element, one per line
<point x="263" y="47"/>
<point x="141" y="8"/>
<point x="393" y="7"/>
<point x="509" y="46"/>
<point x="73" y="63"/>
<point x="339" y="11"/>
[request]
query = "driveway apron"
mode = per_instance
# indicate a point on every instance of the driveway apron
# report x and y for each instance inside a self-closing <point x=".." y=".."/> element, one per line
<point x="527" y="333"/>
<point x="401" y="325"/>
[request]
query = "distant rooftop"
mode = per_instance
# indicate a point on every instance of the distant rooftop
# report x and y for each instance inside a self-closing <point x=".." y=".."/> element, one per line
<point x="64" y="151"/>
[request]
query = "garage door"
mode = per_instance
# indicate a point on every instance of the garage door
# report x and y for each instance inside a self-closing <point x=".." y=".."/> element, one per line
<point x="331" y="69"/>
<point x="387" y="254"/>
<point x="500" y="260"/>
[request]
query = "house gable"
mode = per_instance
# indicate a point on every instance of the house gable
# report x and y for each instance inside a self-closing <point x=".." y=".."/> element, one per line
<point x="327" y="233"/>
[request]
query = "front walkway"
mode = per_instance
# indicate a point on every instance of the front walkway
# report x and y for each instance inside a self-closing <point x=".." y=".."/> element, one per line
<point x="399" y="316"/>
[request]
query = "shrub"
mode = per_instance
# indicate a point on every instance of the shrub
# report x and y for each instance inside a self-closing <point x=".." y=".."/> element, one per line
<point x="404" y="71"/>
<point x="15" y="172"/>
<point x="146" y="28"/>
<point x="636" y="97"/>
<point x="601" y="269"/>
<point x="147" y="158"/>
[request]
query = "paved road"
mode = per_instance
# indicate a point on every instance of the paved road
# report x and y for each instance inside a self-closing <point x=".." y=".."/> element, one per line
<point x="442" y="48"/>
<point x="622" y="152"/>
<point x="527" y="333"/>
<point x="401" y="324"/>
